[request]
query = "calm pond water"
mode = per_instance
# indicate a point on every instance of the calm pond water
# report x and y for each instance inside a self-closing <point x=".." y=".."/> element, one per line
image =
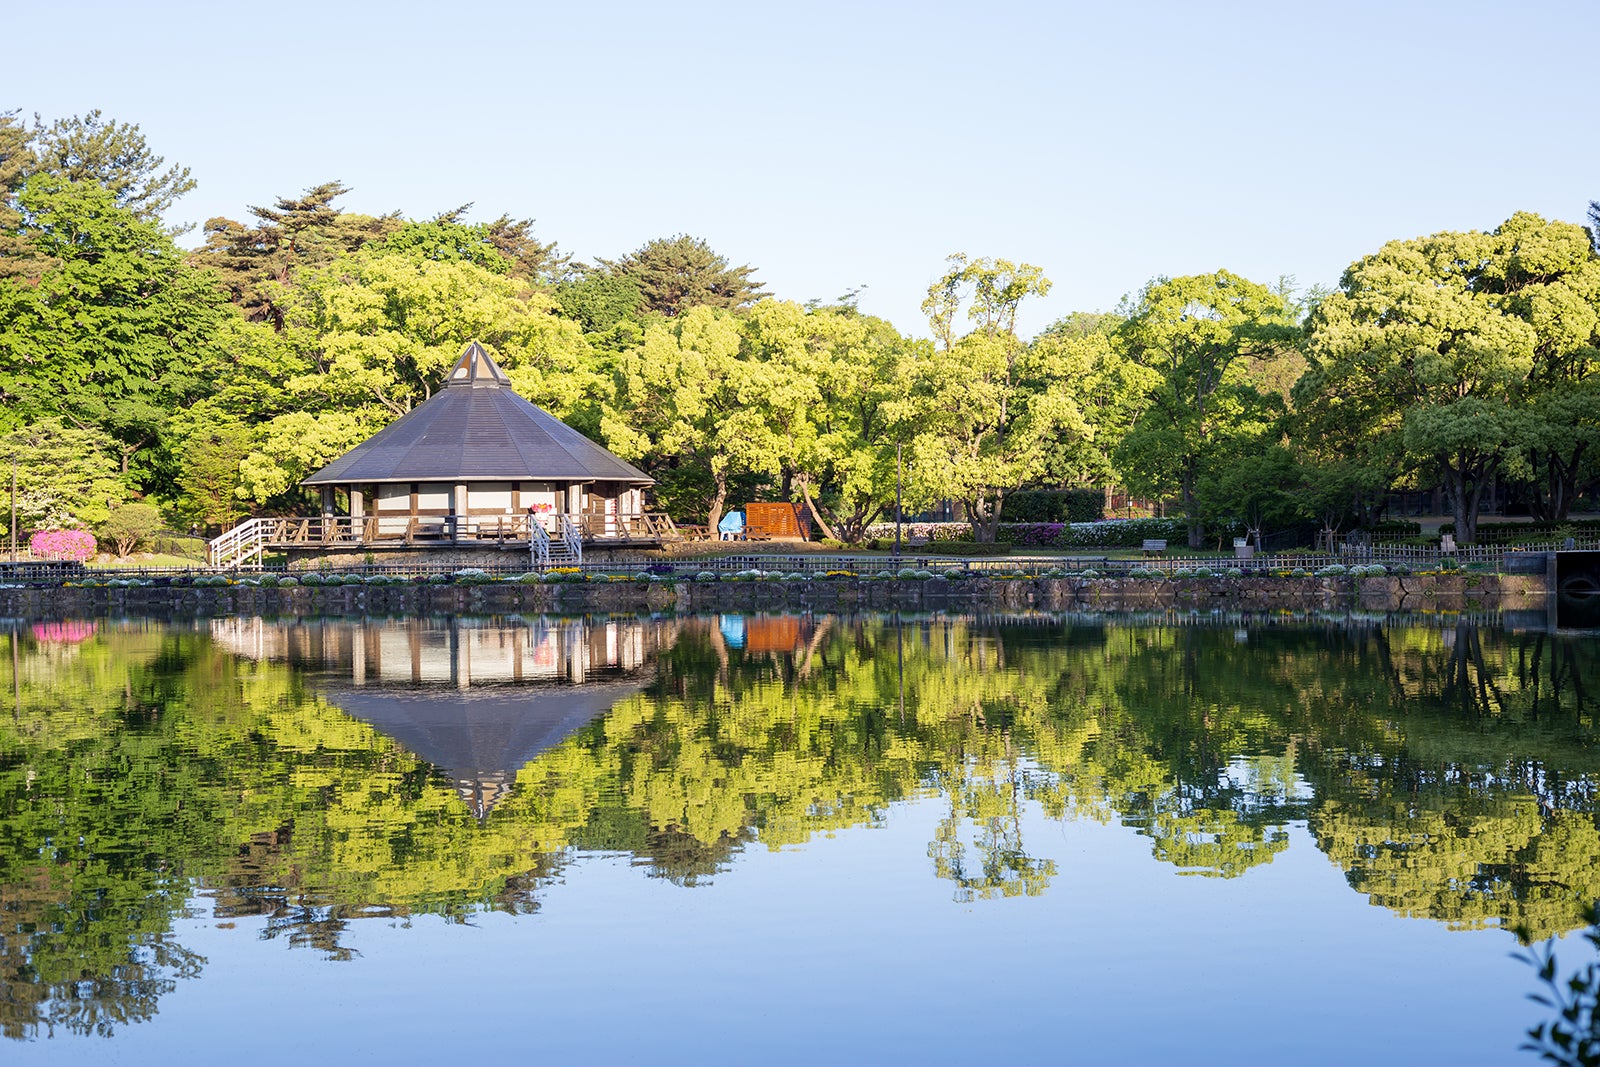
<point x="784" y="839"/>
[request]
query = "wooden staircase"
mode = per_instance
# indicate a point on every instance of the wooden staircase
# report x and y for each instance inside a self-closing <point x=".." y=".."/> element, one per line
<point x="565" y="549"/>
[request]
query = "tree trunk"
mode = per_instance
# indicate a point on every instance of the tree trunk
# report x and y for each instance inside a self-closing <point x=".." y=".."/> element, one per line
<point x="985" y="518"/>
<point x="816" y="513"/>
<point x="721" y="481"/>
<point x="1464" y="487"/>
<point x="1197" y="529"/>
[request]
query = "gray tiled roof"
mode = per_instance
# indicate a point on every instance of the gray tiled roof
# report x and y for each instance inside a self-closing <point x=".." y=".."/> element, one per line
<point x="477" y="429"/>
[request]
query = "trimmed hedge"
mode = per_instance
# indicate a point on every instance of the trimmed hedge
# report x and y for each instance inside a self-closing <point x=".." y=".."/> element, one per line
<point x="1395" y="530"/>
<point x="1054" y="505"/>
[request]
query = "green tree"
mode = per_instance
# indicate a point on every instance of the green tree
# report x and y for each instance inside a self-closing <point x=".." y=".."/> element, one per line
<point x="833" y="374"/>
<point x="1198" y="333"/>
<point x="17" y="161"/>
<point x="688" y="396"/>
<point x="258" y="264"/>
<point x="66" y="476"/>
<point x="985" y="414"/>
<point x="116" y="332"/>
<point x="115" y="156"/>
<point x="681" y="272"/>
<point x="1450" y="350"/>
<point x="131" y="525"/>
<point x="1255" y="487"/>
<point x="211" y="447"/>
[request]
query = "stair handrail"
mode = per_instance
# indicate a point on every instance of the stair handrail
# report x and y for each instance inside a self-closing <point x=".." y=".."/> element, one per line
<point x="539" y="543"/>
<point x="238" y="546"/>
<point x="571" y="539"/>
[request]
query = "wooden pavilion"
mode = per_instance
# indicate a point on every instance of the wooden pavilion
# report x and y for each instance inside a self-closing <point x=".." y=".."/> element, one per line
<point x="475" y="465"/>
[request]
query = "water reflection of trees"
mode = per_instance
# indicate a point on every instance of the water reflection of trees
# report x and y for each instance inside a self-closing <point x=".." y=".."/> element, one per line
<point x="1449" y="771"/>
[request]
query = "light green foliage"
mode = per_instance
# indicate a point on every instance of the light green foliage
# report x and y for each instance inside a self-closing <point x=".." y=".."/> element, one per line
<point x="66" y="477"/>
<point x="1451" y="349"/>
<point x="688" y="395"/>
<point x="834" y="372"/>
<point x="1110" y="394"/>
<point x="130" y="526"/>
<point x="382" y="329"/>
<point x="1199" y="334"/>
<point x="983" y="413"/>
<point x="447" y="241"/>
<point x="295" y="444"/>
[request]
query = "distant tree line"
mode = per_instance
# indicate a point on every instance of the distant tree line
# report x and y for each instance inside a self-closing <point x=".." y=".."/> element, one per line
<point x="208" y="382"/>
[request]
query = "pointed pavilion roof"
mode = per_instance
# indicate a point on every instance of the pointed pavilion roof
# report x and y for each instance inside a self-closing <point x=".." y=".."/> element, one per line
<point x="477" y="429"/>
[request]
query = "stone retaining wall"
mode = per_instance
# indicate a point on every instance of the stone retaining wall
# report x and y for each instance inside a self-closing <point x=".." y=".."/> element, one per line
<point x="1423" y="592"/>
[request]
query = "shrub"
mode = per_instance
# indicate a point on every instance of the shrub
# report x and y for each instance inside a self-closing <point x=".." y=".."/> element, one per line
<point x="288" y="581"/>
<point x="130" y="526"/>
<point x="75" y="545"/>
<point x="1332" y="570"/>
<point x="706" y="576"/>
<point x="1089" y="573"/>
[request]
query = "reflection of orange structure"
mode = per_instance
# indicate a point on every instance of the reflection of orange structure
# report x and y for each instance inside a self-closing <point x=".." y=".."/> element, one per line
<point x="772" y="633"/>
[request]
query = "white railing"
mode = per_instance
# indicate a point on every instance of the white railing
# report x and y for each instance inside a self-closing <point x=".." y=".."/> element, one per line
<point x="239" y="546"/>
<point x="571" y="539"/>
<point x="539" y="543"/>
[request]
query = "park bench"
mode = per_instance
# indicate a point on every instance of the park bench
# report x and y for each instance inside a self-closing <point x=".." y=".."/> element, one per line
<point x="1154" y="546"/>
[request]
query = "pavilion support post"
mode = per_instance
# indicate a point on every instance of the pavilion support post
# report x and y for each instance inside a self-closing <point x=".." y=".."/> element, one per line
<point x="358" y="511"/>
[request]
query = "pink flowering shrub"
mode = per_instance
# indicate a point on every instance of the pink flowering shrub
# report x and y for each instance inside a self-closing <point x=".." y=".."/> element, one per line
<point x="75" y="545"/>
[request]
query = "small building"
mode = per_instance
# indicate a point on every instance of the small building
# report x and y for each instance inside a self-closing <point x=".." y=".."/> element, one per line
<point x="474" y="466"/>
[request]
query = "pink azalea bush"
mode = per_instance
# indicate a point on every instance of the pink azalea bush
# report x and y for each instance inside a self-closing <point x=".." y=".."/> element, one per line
<point x="75" y="545"/>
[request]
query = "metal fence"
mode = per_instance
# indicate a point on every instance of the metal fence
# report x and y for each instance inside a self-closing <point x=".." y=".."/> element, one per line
<point x="815" y="564"/>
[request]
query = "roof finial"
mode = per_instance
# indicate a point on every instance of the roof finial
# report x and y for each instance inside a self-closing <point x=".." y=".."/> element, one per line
<point x="477" y="367"/>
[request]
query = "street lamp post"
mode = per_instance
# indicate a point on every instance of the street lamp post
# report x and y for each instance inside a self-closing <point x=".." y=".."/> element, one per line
<point x="899" y="480"/>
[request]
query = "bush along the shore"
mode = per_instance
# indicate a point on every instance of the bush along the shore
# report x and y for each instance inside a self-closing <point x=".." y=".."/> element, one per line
<point x="1105" y="533"/>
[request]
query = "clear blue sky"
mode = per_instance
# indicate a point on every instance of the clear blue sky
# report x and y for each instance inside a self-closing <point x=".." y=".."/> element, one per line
<point x="833" y="145"/>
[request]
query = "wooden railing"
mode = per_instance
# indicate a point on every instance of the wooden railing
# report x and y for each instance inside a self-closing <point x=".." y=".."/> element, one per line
<point x="648" y="526"/>
<point x="245" y="542"/>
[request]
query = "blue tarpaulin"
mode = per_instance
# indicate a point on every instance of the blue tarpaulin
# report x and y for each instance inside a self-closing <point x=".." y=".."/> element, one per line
<point x="732" y="525"/>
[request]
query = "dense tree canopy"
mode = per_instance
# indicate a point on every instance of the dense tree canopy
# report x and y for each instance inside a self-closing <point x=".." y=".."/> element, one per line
<point x="221" y="376"/>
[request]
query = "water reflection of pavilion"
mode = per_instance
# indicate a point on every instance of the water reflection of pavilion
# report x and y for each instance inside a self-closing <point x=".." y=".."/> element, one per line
<point x="477" y="698"/>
